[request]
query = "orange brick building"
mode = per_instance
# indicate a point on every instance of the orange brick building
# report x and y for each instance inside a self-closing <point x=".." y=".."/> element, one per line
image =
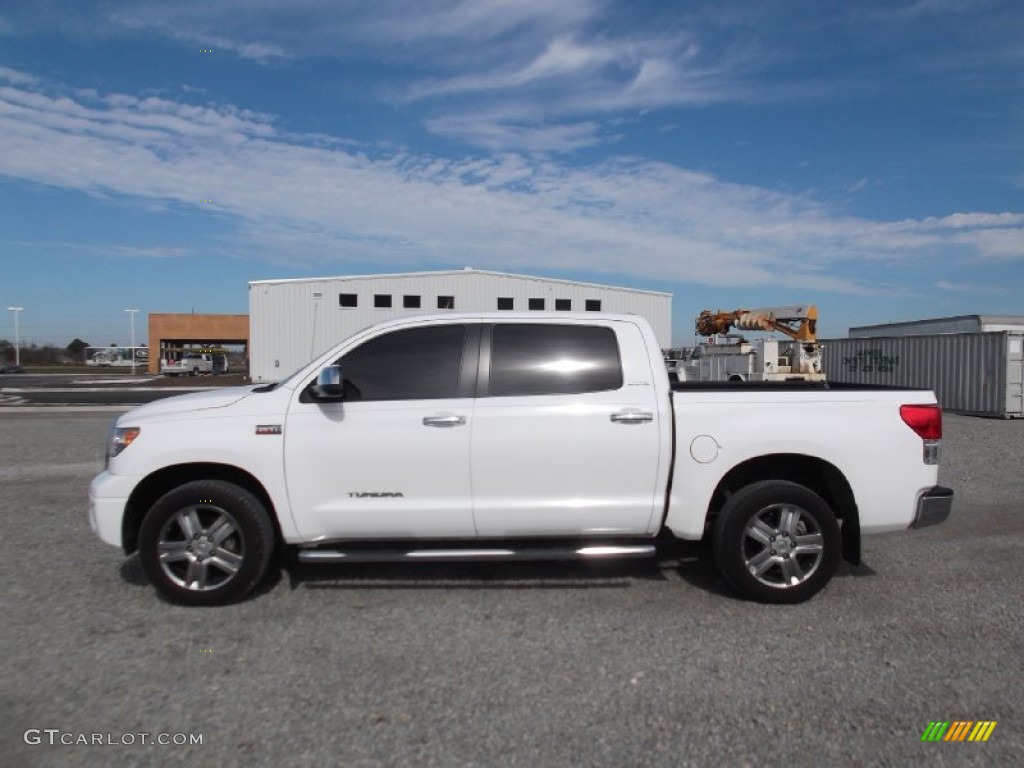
<point x="172" y="331"/>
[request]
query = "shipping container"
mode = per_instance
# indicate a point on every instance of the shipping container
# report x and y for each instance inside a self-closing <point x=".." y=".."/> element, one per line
<point x="956" y="324"/>
<point x="974" y="373"/>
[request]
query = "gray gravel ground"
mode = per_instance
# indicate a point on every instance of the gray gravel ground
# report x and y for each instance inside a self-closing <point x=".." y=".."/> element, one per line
<point x="622" y="665"/>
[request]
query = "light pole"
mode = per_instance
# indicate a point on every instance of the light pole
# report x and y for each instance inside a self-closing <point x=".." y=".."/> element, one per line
<point x="17" y="345"/>
<point x="131" y="313"/>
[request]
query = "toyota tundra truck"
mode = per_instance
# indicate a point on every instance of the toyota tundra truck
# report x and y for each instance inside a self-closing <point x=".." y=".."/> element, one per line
<point x="513" y="436"/>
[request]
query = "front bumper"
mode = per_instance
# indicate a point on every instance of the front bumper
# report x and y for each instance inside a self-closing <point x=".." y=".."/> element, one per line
<point x="933" y="507"/>
<point x="108" y="495"/>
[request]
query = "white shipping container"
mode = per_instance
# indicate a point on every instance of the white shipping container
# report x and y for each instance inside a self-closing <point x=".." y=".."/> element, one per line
<point x="957" y="324"/>
<point x="291" y="321"/>
<point x="975" y="373"/>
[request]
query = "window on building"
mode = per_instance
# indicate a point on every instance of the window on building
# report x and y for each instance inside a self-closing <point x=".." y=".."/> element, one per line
<point x="593" y="305"/>
<point x="506" y="303"/>
<point x="410" y="364"/>
<point x="529" y="359"/>
<point x="348" y="300"/>
<point x="446" y="302"/>
<point x="382" y="300"/>
<point x="411" y="302"/>
<point x="536" y="303"/>
<point x="563" y="305"/>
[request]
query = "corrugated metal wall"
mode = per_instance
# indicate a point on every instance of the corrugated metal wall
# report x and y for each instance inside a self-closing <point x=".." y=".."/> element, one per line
<point x="291" y="321"/>
<point x="979" y="373"/>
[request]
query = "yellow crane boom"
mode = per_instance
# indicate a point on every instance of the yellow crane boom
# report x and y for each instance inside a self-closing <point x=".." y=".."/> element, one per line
<point x="798" y="322"/>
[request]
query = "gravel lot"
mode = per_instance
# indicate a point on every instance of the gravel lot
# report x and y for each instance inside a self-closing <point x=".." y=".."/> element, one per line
<point x="626" y="664"/>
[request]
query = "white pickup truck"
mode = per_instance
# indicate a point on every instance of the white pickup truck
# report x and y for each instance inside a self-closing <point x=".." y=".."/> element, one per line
<point x="190" y="364"/>
<point x="513" y="436"/>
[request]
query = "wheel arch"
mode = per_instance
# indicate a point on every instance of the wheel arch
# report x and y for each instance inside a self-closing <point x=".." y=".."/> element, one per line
<point x="820" y="476"/>
<point x="155" y="485"/>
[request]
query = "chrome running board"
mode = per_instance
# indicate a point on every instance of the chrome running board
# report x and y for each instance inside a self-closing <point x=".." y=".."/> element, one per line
<point x="596" y="551"/>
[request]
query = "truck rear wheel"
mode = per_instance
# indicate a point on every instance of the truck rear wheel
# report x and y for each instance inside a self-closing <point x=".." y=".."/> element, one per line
<point x="776" y="542"/>
<point x="207" y="542"/>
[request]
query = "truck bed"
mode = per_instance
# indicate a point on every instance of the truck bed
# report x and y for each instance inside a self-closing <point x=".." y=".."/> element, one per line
<point x="786" y="386"/>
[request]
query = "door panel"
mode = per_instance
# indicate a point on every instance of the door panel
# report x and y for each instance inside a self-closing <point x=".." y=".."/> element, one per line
<point x="572" y="462"/>
<point x="392" y="458"/>
<point x="375" y="470"/>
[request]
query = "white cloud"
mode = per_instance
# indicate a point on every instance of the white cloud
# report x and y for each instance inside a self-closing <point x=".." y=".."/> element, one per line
<point x="108" y="249"/>
<point x="547" y="99"/>
<point x="975" y="220"/>
<point x="17" y="77"/>
<point x="326" y="202"/>
<point x="474" y="20"/>
<point x="936" y="8"/>
<point x="257" y="51"/>
<point x="213" y="43"/>
<point x="563" y="56"/>
<point x="515" y="63"/>
<point x="335" y="28"/>
<point x="534" y="62"/>
<point x="501" y="135"/>
<point x="961" y="287"/>
<point x="566" y="55"/>
<point x="571" y="77"/>
<point x="996" y="244"/>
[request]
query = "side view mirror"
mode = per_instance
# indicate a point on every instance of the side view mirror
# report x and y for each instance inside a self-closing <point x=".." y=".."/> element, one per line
<point x="329" y="384"/>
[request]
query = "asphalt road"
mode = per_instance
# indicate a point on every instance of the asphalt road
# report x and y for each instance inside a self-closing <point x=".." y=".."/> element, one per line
<point x="643" y="663"/>
<point x="17" y="390"/>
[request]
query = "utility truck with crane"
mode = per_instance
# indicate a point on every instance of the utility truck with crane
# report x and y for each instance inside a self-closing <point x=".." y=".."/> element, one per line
<point x="729" y="357"/>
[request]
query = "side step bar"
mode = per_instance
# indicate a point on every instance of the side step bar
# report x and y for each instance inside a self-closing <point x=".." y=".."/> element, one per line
<point x="596" y="551"/>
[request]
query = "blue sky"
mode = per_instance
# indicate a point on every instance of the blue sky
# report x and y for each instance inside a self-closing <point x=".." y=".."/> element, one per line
<point x="867" y="157"/>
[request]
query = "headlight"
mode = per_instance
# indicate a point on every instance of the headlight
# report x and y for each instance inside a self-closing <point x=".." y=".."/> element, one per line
<point x="120" y="438"/>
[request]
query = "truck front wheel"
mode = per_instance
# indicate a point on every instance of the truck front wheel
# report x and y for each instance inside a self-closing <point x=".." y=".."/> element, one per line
<point x="776" y="542"/>
<point x="207" y="542"/>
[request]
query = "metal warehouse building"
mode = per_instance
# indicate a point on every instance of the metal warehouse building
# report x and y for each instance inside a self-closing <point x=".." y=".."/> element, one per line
<point x="974" y="363"/>
<point x="291" y="321"/>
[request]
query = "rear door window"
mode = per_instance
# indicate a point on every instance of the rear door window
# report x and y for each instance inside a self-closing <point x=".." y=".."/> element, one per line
<point x="542" y="359"/>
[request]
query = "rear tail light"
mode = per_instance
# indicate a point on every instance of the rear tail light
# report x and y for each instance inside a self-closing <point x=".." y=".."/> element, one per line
<point x="926" y="421"/>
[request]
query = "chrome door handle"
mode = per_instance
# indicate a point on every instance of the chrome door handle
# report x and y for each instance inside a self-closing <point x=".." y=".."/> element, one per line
<point x="443" y="421"/>
<point x="632" y="417"/>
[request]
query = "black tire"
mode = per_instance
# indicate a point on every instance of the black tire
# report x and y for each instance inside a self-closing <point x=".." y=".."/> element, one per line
<point x="208" y="542"/>
<point x="776" y="542"/>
